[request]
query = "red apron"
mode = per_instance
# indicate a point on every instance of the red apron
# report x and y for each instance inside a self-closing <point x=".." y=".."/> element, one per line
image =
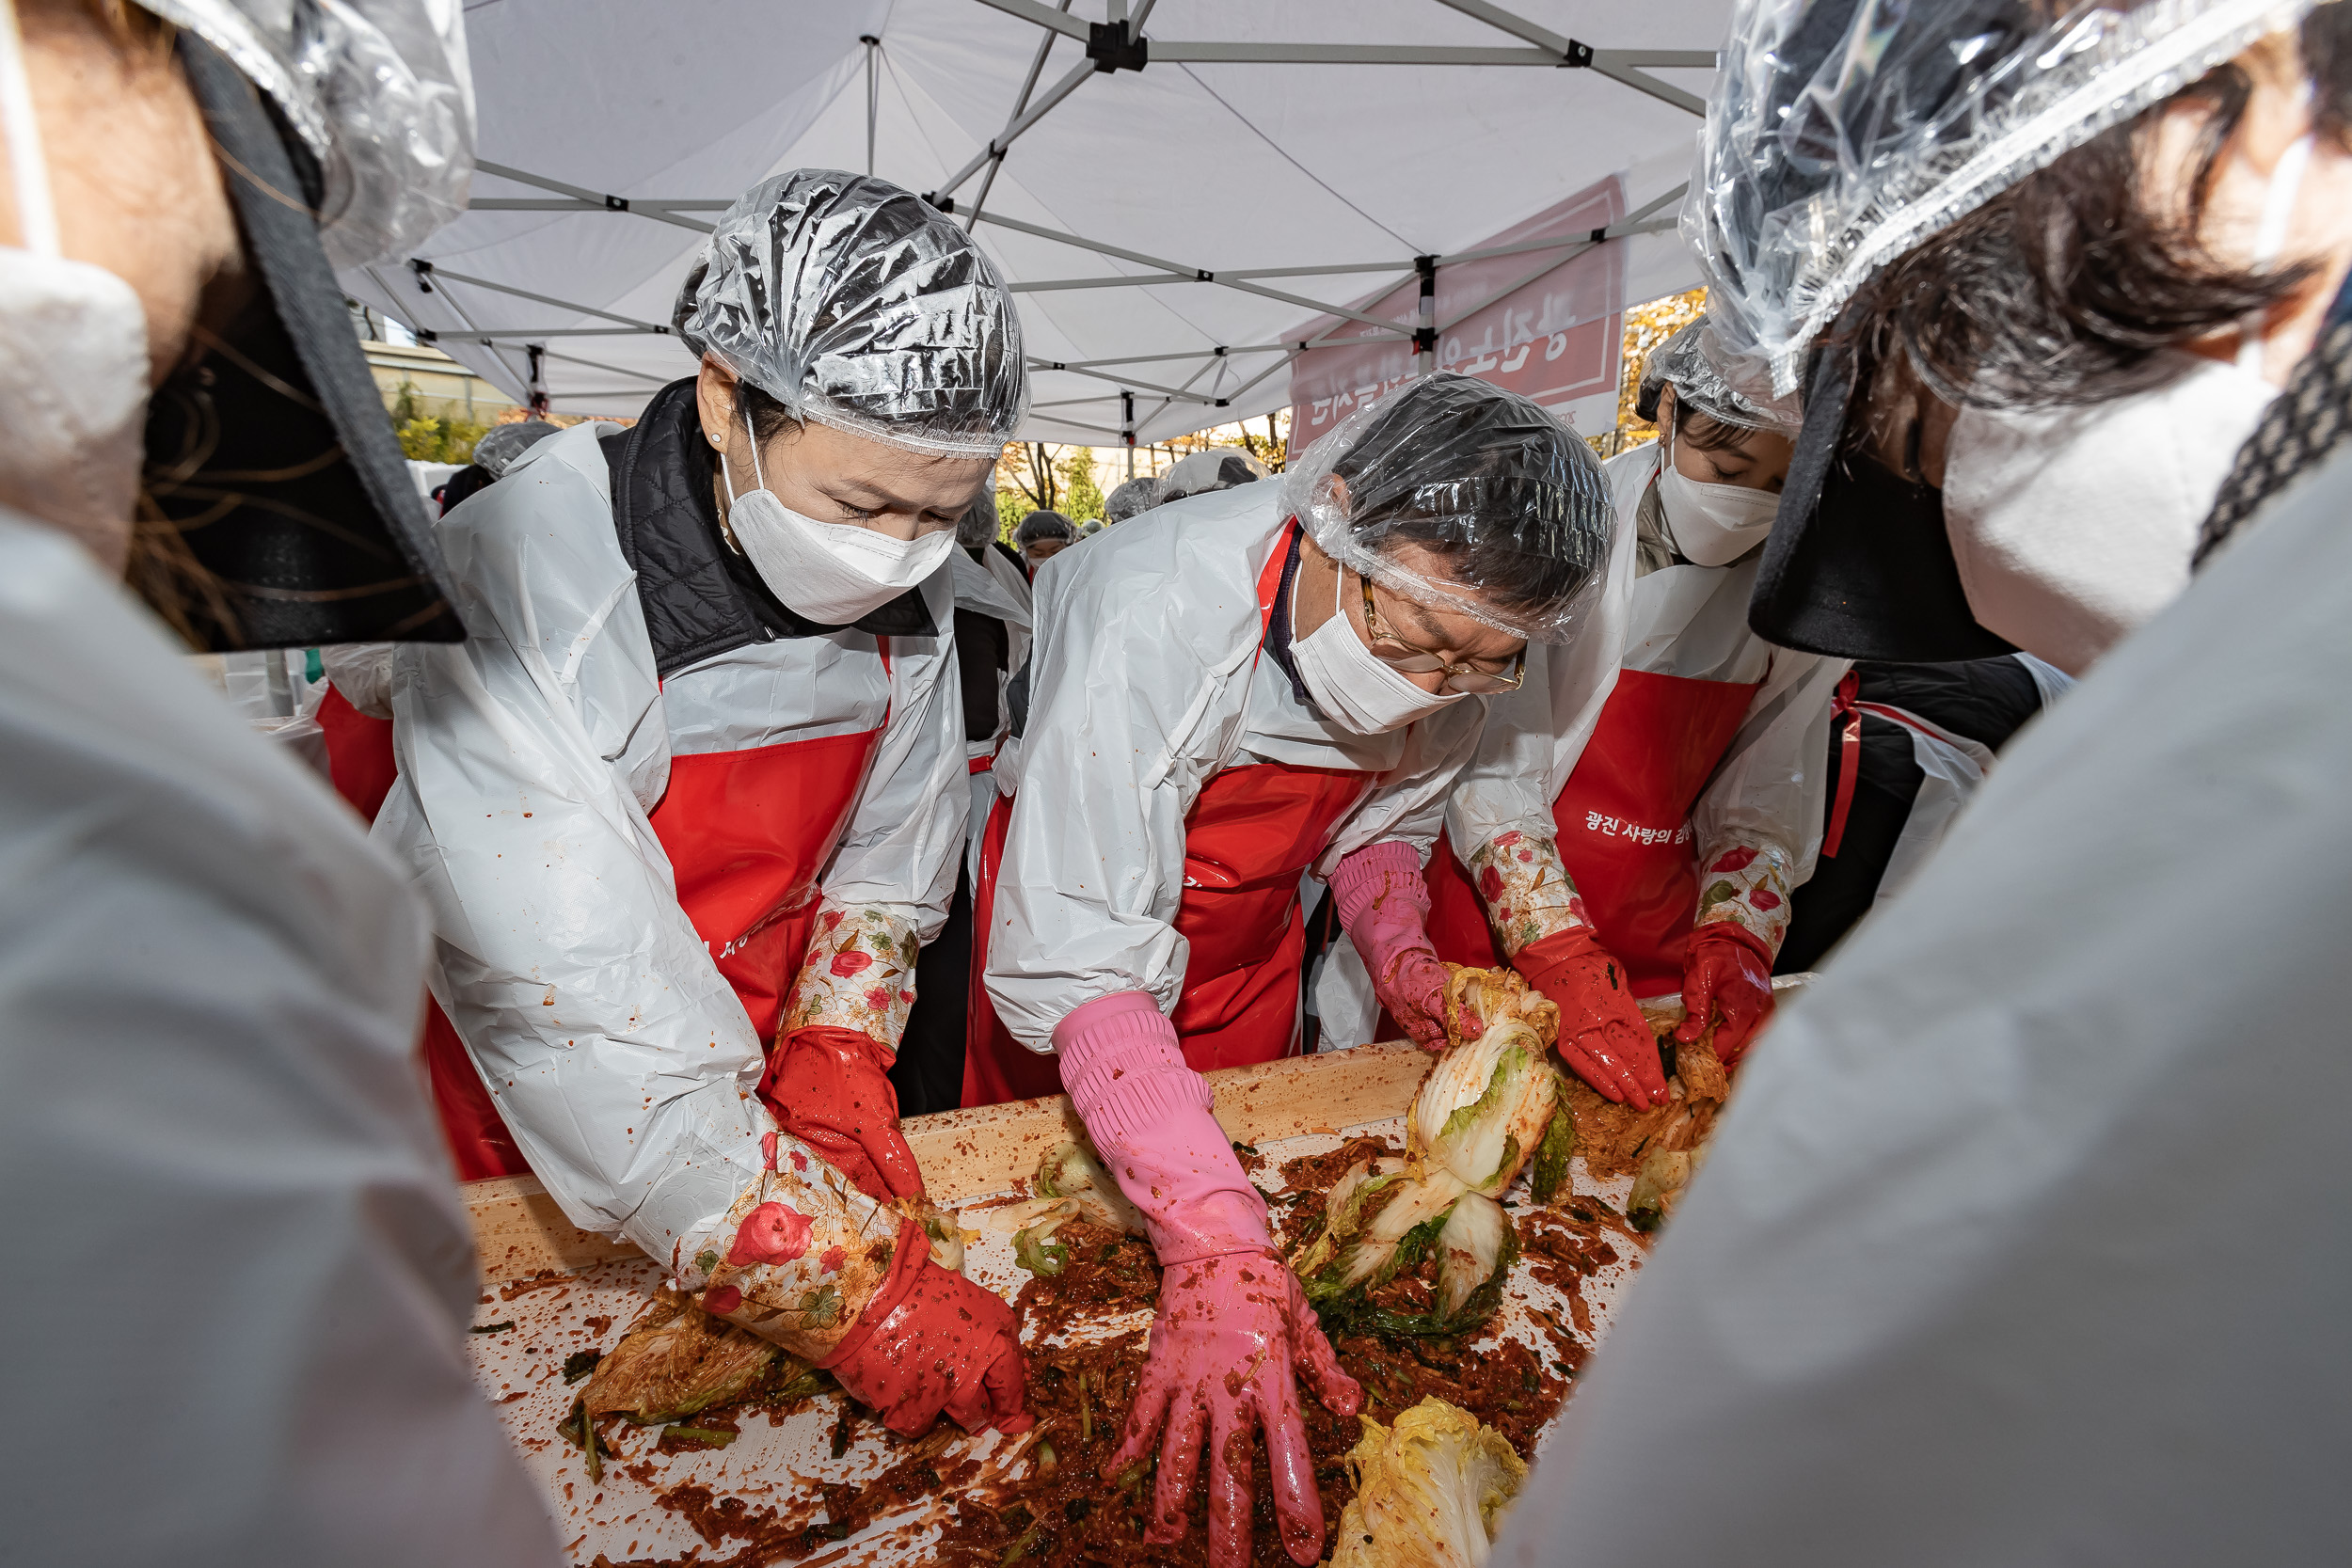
<point x="1250" y="836"/>
<point x="747" y="833"/>
<point x="1624" y="828"/>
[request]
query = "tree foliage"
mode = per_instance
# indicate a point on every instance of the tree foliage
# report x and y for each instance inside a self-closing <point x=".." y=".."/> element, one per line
<point x="431" y="439"/>
<point x="1082" y="497"/>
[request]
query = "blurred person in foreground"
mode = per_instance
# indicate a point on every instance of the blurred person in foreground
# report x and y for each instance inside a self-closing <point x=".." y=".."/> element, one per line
<point x="235" y="1243"/>
<point x="2024" y="1240"/>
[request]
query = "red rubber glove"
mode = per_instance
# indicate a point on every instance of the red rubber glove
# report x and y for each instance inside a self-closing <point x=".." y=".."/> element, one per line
<point x="1232" y="1333"/>
<point x="831" y="1089"/>
<point x="931" y="1341"/>
<point x="1602" y="1033"/>
<point x="1728" y="972"/>
<point x="1233" y="1321"/>
<point x="1382" y="904"/>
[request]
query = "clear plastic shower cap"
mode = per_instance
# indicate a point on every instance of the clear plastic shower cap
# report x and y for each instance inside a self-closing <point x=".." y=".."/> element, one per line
<point x="1134" y="499"/>
<point x="1203" y="474"/>
<point x="1842" y="132"/>
<point x="857" y="303"/>
<point x="1512" y="501"/>
<point x="378" y="91"/>
<point x="1688" y="362"/>
<point x="501" y="444"/>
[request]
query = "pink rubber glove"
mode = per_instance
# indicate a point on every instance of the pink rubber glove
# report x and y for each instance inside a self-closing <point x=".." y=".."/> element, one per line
<point x="1234" y="1327"/>
<point x="1384" y="905"/>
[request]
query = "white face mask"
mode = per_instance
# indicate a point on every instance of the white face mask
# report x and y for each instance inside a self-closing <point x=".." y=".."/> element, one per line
<point x="2073" y="526"/>
<point x="73" y="355"/>
<point x="833" y="573"/>
<point x="1354" y="689"/>
<point x="1713" y="525"/>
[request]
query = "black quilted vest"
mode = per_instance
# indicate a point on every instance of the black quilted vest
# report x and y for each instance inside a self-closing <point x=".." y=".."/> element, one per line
<point x="701" y="597"/>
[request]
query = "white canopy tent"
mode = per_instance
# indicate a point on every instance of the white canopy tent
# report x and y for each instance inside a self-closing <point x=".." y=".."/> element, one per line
<point x="1181" y="215"/>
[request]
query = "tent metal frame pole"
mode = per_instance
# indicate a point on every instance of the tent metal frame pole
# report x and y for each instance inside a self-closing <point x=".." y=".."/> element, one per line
<point x="1180" y="353"/>
<point x="455" y="309"/>
<point x="1004" y="139"/>
<point x="1549" y="51"/>
<point x="1199" y="274"/>
<point x="660" y="212"/>
<point x="433" y="270"/>
<point x="1055" y="285"/>
<point x="1236" y="394"/>
<point x="616" y="370"/>
<point x="1020" y="105"/>
<point x="535" y="333"/>
<point x="641" y="205"/>
<point x="873" y="96"/>
<point x="1078" y="424"/>
<point x="1619" y="65"/>
<point x="1123" y="381"/>
<point x="1551" y="266"/>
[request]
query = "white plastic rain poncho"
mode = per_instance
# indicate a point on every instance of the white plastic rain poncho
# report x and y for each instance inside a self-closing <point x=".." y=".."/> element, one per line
<point x="2023" y="1240"/>
<point x="1150" y="635"/>
<point x="530" y="758"/>
<point x="992" y="586"/>
<point x="657" y="815"/>
<point x="236" y="1241"/>
<point x="1152" y="680"/>
<point x="1764" y="793"/>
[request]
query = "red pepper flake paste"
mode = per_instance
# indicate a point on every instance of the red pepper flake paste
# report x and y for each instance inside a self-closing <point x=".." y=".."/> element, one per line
<point x="772" y="1233"/>
<point x="545" y="1279"/>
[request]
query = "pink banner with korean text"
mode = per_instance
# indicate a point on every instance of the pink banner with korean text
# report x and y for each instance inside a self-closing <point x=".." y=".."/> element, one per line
<point x="1544" y="323"/>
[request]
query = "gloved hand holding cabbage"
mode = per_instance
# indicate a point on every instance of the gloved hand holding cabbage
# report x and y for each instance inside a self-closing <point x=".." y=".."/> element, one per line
<point x="1490" y="1106"/>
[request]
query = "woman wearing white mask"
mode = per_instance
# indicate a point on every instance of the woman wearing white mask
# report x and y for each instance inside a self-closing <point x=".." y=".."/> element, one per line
<point x="1973" y="364"/>
<point x="698" y="785"/>
<point x="1229" y="691"/>
<point x="1651" y="847"/>
<point x="1947" y="1292"/>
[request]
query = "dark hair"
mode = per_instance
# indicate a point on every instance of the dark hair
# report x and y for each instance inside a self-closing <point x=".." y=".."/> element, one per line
<point x="1704" y="432"/>
<point x="2067" y="286"/>
<point x="1510" y="498"/>
<point x="770" y="418"/>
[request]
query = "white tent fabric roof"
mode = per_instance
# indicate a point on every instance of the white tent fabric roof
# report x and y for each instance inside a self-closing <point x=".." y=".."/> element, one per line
<point x="1347" y="170"/>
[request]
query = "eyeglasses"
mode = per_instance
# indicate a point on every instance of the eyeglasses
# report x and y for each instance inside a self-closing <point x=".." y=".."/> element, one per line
<point x="1410" y="658"/>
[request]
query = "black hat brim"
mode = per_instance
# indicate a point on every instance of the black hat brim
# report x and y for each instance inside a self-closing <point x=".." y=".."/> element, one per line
<point x="1858" y="563"/>
<point x="273" y="471"/>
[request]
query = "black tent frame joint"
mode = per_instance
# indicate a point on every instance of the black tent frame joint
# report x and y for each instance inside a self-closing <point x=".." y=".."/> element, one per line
<point x="1579" y="57"/>
<point x="1112" y="46"/>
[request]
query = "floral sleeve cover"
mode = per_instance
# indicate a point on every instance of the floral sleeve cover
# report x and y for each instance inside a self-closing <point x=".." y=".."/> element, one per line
<point x="1527" y="892"/>
<point x="1747" y="883"/>
<point x="804" y="1252"/>
<point x="858" y="973"/>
